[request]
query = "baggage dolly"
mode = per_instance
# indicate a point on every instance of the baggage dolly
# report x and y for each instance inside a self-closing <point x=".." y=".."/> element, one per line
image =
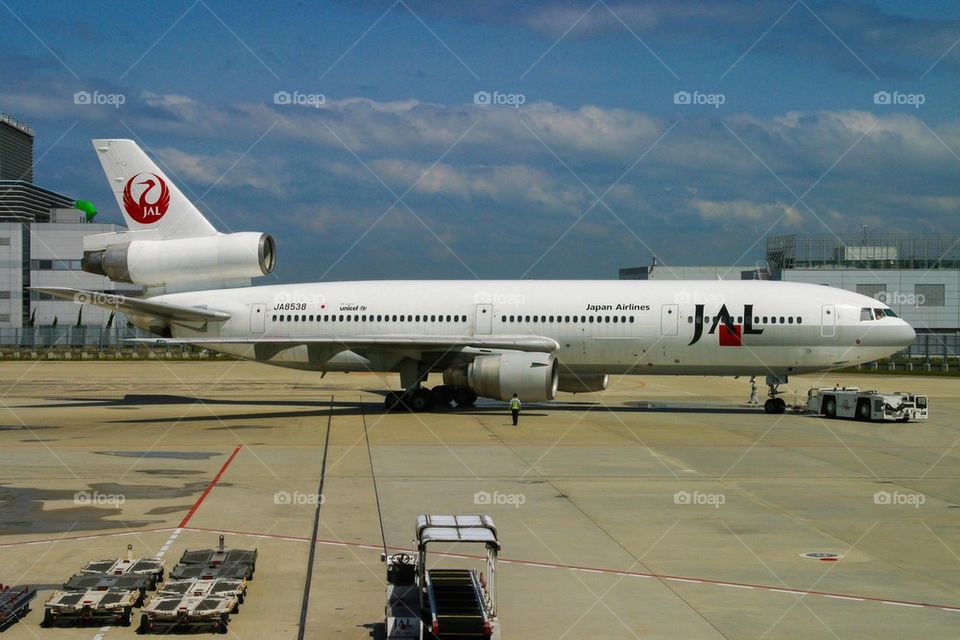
<point x="205" y="587"/>
<point x="106" y="581"/>
<point x="151" y="567"/>
<point x="221" y="562"/>
<point x="111" y="606"/>
<point x="14" y="603"/>
<point x="187" y="613"/>
<point x="227" y="571"/>
<point x="221" y="556"/>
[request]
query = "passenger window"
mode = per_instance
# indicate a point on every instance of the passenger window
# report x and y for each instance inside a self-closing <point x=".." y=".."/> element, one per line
<point x="781" y="319"/>
<point x="799" y="319"/>
<point x="631" y="320"/>
<point x="274" y="318"/>
<point x="566" y="318"/>
<point x="764" y="319"/>
<point x="789" y="319"/>
<point x="773" y="319"/>
<point x="756" y="320"/>
<point x="574" y="319"/>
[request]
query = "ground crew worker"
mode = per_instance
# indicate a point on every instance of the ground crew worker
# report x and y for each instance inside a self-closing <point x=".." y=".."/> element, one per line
<point x="515" y="409"/>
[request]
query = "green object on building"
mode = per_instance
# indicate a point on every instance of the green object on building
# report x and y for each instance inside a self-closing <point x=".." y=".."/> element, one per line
<point x="87" y="207"/>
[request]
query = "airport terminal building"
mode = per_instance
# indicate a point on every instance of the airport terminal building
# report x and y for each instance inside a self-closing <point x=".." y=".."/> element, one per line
<point x="41" y="244"/>
<point x="916" y="275"/>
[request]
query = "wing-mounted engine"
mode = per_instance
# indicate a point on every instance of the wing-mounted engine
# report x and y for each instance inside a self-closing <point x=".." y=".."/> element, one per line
<point x="573" y="383"/>
<point x="179" y="264"/>
<point x="532" y="376"/>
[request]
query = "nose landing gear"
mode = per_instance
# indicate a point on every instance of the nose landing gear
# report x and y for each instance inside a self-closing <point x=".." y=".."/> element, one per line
<point x="775" y="404"/>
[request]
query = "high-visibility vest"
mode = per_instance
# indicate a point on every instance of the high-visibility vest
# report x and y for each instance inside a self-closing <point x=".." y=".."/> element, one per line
<point x="515" y="404"/>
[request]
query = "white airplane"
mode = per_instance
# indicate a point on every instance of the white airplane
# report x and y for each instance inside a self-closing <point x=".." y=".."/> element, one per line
<point x="487" y="338"/>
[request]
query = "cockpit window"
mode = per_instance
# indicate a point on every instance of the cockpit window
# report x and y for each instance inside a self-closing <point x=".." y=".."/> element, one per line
<point x="878" y="314"/>
<point x="866" y="314"/>
<point x="889" y="313"/>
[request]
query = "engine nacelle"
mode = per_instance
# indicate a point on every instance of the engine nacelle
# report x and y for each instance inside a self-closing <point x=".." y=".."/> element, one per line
<point x="572" y="383"/>
<point x="204" y="259"/>
<point x="532" y="376"/>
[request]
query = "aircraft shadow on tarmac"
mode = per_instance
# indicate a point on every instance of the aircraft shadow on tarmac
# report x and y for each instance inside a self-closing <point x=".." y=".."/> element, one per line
<point x="321" y="408"/>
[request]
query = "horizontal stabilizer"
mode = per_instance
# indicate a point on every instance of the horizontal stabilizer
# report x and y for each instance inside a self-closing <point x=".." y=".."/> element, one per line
<point x="135" y="306"/>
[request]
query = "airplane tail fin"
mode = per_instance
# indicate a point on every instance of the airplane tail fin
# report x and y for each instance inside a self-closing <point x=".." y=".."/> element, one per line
<point x="149" y="200"/>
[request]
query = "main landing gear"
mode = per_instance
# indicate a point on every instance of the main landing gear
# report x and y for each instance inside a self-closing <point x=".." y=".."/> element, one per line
<point x="420" y="399"/>
<point x="775" y="404"/>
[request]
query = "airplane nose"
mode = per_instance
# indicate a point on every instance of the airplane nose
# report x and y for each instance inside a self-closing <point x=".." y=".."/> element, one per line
<point x="908" y="335"/>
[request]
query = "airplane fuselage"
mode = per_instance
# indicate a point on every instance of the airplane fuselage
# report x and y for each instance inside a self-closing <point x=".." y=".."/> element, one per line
<point x="614" y="327"/>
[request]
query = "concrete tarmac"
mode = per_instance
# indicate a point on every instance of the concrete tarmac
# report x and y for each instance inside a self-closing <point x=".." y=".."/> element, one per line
<point x="661" y="508"/>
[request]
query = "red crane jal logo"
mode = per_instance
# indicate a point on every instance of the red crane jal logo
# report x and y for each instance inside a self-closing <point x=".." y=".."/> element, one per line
<point x="152" y="199"/>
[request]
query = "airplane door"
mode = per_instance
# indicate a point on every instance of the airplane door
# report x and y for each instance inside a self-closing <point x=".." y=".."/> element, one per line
<point x="669" y="319"/>
<point x="484" y="319"/>
<point x="828" y="321"/>
<point x="258" y="317"/>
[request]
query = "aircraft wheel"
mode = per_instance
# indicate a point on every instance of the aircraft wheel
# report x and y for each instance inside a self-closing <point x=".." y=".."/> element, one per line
<point x="420" y="400"/>
<point x="391" y="401"/>
<point x="780" y="405"/>
<point x="770" y="406"/>
<point x="464" y="397"/>
<point x="442" y="395"/>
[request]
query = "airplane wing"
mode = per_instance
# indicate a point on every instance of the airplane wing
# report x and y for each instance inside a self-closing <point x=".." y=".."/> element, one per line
<point x="383" y="342"/>
<point x="135" y="306"/>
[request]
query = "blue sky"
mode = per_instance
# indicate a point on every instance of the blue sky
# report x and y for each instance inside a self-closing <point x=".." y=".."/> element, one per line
<point x="398" y="173"/>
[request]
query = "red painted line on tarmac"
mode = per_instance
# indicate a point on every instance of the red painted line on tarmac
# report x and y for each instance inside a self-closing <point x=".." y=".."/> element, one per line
<point x="634" y="574"/>
<point x="206" y="492"/>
